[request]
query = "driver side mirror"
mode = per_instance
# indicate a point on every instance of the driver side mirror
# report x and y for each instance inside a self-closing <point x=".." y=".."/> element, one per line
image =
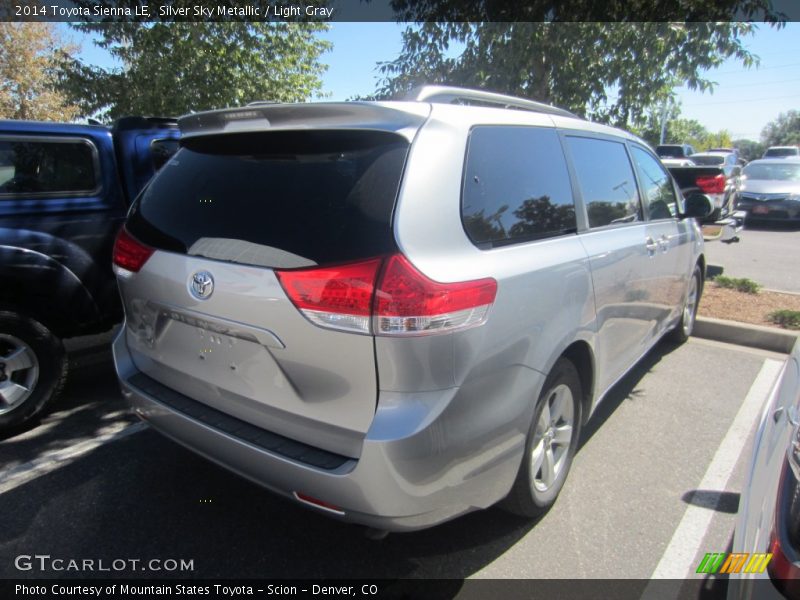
<point x="698" y="206"/>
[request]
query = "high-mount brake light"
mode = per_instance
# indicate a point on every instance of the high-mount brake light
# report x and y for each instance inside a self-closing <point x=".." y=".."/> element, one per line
<point x="404" y="302"/>
<point x="129" y="253"/>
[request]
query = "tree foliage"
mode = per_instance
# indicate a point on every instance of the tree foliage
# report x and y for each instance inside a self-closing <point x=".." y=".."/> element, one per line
<point x="749" y="149"/>
<point x="783" y="131"/>
<point x="172" y="68"/>
<point x="31" y="55"/>
<point x="610" y="72"/>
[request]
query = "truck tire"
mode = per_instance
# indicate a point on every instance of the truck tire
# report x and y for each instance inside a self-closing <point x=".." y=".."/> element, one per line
<point x="33" y="368"/>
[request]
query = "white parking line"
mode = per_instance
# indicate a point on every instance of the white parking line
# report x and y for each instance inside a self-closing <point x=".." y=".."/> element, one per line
<point x="50" y="461"/>
<point x="678" y="559"/>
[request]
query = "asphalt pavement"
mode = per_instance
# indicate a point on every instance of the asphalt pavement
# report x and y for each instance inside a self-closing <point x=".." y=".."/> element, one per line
<point x="89" y="483"/>
<point x="769" y="255"/>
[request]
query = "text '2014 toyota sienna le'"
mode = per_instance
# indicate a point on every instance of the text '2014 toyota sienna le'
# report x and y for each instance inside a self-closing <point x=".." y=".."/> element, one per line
<point x="399" y="312"/>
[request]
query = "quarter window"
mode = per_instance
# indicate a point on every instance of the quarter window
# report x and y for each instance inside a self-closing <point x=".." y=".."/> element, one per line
<point x="606" y="180"/>
<point x="516" y="186"/>
<point x="657" y="185"/>
<point x="52" y="168"/>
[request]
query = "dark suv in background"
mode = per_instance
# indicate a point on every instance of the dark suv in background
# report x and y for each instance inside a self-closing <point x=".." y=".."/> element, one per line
<point x="64" y="192"/>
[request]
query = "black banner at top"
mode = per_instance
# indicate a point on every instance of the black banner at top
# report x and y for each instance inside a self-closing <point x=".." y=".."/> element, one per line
<point x="399" y="10"/>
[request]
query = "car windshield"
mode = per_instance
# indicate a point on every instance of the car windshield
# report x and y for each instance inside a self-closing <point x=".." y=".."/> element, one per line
<point x="775" y="171"/>
<point x="706" y="160"/>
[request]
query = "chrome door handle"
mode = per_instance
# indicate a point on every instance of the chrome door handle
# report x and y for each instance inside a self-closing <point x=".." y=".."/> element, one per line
<point x="651" y="246"/>
<point x="663" y="243"/>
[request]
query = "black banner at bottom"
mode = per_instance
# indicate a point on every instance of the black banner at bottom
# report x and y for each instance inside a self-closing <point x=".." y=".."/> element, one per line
<point x="380" y="589"/>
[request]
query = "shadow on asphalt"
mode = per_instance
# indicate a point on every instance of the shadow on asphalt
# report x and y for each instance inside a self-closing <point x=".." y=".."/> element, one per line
<point x="625" y="389"/>
<point x="147" y="497"/>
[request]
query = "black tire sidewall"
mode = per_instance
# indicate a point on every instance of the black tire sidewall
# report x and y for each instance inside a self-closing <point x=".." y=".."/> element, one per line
<point x="51" y="357"/>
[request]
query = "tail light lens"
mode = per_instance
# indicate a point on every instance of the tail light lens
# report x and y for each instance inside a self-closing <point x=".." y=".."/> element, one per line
<point x="711" y="184"/>
<point x="408" y="303"/>
<point x="129" y="253"/>
<point x="336" y="297"/>
<point x="394" y="300"/>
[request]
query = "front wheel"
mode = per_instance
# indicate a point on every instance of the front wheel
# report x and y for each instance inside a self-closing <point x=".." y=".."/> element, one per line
<point x="33" y="367"/>
<point x="551" y="444"/>
<point x="683" y="330"/>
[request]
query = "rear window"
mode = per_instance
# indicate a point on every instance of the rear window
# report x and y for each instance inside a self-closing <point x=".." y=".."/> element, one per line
<point x="47" y="168"/>
<point x="778" y="152"/>
<point x="277" y="199"/>
<point x="670" y="152"/>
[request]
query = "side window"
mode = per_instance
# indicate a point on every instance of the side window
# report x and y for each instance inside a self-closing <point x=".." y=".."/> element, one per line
<point x="606" y="178"/>
<point x="516" y="186"/>
<point x="657" y="184"/>
<point x="46" y="167"/>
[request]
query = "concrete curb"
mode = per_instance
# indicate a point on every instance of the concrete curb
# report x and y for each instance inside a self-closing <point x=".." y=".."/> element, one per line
<point x="744" y="334"/>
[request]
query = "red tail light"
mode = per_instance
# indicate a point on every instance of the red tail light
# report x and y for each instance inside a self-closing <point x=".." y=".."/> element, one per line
<point x="338" y="297"/>
<point x="129" y="253"/>
<point x="711" y="184"/>
<point x="408" y="303"/>
<point x="404" y="302"/>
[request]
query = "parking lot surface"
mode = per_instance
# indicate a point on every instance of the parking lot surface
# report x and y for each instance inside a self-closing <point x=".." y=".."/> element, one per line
<point x="90" y="482"/>
<point x="766" y="254"/>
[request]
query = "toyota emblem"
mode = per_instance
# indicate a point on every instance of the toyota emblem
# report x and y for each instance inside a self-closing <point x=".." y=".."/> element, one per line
<point x="201" y="285"/>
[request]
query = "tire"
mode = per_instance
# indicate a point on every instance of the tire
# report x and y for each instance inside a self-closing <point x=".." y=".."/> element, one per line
<point x="537" y="487"/>
<point x="683" y="330"/>
<point x="33" y="368"/>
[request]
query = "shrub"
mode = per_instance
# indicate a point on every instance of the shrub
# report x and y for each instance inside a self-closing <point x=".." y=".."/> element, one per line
<point x="790" y="319"/>
<point x="740" y="284"/>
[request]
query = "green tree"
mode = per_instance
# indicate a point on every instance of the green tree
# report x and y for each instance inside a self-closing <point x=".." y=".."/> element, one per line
<point x="783" y="131"/>
<point x="611" y="72"/>
<point x="172" y="68"/>
<point x="749" y="149"/>
<point x="31" y="57"/>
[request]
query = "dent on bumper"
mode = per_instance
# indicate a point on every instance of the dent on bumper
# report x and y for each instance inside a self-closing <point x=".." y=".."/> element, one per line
<point x="412" y="481"/>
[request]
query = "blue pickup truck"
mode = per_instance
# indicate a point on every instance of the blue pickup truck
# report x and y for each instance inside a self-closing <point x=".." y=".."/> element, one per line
<point x="64" y="192"/>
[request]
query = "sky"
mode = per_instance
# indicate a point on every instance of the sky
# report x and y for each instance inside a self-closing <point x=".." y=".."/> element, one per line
<point x="743" y="102"/>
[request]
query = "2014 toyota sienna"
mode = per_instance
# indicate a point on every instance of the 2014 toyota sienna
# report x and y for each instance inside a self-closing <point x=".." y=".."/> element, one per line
<point x="399" y="312"/>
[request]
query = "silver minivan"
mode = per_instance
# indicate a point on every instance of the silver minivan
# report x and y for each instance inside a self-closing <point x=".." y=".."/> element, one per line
<point x="399" y="312"/>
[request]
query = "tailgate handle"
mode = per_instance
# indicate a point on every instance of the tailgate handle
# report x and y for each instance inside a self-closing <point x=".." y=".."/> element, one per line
<point x="233" y="329"/>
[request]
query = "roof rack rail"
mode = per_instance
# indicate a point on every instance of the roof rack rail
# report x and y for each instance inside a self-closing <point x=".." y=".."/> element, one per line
<point x="450" y="95"/>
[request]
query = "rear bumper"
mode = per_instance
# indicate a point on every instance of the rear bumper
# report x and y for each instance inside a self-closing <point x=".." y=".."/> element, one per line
<point x="398" y="483"/>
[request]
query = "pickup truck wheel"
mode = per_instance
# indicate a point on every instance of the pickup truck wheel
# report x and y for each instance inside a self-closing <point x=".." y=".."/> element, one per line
<point x="683" y="330"/>
<point x="33" y="368"/>
<point x="551" y="444"/>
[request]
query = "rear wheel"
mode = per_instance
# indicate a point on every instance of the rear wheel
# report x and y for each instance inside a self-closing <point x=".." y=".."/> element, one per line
<point x="683" y="330"/>
<point x="33" y="367"/>
<point x="551" y="444"/>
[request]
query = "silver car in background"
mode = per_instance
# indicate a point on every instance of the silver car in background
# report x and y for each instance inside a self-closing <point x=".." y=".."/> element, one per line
<point x="771" y="190"/>
<point x="399" y="312"/>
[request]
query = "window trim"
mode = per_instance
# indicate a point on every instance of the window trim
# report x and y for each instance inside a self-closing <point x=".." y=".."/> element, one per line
<point x="565" y="133"/>
<point x="526" y="239"/>
<point x="98" y="179"/>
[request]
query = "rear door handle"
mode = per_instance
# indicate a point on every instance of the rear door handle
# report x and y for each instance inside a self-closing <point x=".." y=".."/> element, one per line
<point x="651" y="246"/>
<point x="663" y="243"/>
